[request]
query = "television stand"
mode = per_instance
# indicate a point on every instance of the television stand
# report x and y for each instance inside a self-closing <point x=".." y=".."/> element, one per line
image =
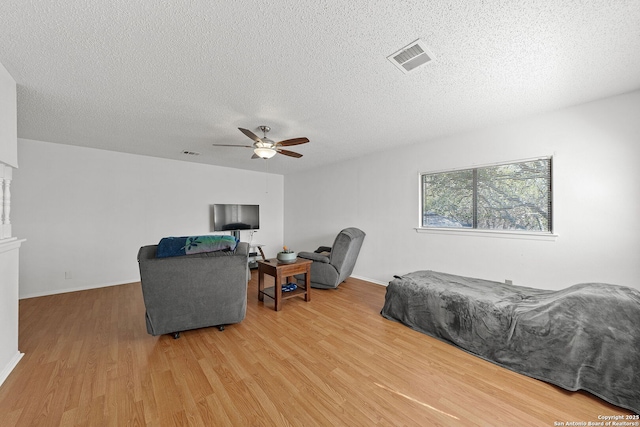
<point x="255" y="249"/>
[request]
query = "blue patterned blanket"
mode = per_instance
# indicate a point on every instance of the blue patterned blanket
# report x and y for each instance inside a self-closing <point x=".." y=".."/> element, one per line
<point x="177" y="246"/>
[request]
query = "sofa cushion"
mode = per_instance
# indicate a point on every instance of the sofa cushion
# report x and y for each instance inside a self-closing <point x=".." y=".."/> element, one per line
<point x="187" y="245"/>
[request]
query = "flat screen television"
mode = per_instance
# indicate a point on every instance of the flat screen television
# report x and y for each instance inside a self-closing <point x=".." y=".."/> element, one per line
<point x="227" y="217"/>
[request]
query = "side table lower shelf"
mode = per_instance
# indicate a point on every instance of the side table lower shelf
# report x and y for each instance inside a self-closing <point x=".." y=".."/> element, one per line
<point x="271" y="292"/>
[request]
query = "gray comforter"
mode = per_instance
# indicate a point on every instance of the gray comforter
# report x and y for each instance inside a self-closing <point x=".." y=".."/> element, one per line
<point x="584" y="337"/>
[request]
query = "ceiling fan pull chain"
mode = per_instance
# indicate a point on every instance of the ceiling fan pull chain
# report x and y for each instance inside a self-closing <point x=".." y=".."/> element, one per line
<point x="266" y="178"/>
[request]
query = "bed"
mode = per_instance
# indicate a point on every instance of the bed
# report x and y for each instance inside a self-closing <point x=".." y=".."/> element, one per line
<point x="584" y="337"/>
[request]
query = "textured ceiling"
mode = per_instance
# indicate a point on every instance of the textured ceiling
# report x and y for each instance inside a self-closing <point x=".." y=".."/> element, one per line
<point x="156" y="78"/>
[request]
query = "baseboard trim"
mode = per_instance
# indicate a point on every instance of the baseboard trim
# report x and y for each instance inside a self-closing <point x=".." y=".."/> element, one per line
<point x="124" y="282"/>
<point x="10" y="366"/>
<point x="366" y="279"/>
<point x="79" y="288"/>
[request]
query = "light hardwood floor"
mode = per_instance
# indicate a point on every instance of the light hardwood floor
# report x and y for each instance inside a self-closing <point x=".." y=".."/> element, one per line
<point x="333" y="361"/>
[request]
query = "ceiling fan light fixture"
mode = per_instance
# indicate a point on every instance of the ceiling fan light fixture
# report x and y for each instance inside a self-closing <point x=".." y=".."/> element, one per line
<point x="264" y="152"/>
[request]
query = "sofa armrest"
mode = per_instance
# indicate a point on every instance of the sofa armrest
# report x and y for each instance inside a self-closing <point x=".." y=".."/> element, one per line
<point x="314" y="257"/>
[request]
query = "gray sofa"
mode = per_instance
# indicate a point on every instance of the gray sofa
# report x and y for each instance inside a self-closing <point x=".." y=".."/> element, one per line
<point x="333" y="265"/>
<point x="193" y="291"/>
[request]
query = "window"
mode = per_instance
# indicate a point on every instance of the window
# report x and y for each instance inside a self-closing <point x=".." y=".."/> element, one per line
<point x="511" y="196"/>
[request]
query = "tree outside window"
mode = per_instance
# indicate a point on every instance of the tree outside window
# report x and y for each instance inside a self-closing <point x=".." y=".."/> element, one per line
<point x="513" y="196"/>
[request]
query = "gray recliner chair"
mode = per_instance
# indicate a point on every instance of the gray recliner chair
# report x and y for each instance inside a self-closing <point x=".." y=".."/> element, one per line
<point x="333" y="265"/>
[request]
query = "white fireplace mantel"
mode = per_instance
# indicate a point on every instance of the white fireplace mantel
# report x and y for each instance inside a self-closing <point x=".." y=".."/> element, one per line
<point x="9" y="354"/>
<point x="10" y="244"/>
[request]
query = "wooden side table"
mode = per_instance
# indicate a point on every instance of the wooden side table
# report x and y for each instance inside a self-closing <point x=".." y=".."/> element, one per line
<point x="279" y="271"/>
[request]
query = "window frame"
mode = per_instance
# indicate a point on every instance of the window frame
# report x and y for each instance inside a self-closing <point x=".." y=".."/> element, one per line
<point x="518" y="234"/>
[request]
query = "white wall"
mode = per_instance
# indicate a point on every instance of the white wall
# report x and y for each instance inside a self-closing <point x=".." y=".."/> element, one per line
<point x="596" y="149"/>
<point x="87" y="212"/>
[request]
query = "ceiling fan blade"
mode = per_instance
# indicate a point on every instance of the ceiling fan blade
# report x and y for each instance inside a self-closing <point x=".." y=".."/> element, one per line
<point x="290" y="153"/>
<point x="293" y="141"/>
<point x="232" y="145"/>
<point x="255" y="156"/>
<point x="250" y="134"/>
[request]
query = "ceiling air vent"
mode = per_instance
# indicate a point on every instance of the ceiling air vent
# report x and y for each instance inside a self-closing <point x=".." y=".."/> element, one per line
<point x="411" y="56"/>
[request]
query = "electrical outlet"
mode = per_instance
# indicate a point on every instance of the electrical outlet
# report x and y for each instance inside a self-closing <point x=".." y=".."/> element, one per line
<point x="508" y="282"/>
<point x="68" y="275"/>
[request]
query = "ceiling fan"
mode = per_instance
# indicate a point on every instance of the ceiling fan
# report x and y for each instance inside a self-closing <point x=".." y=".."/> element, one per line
<point x="265" y="148"/>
